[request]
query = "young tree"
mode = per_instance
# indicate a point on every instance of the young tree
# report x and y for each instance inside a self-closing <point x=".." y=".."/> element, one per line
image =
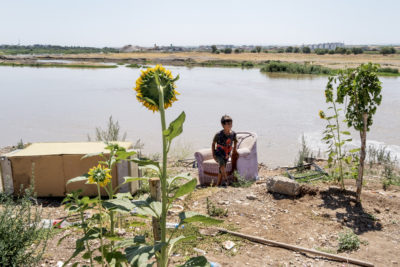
<point x="258" y="49"/>
<point x="214" y="49"/>
<point x="361" y="89"/>
<point x="306" y="50"/>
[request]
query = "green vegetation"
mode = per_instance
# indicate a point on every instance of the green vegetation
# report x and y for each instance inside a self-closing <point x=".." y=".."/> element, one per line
<point x="334" y="135"/>
<point x="227" y="50"/>
<point x="214" y="211"/>
<point x="240" y="181"/>
<point x="360" y="89"/>
<point x="133" y="65"/>
<point x="55" y="65"/>
<point x="348" y="241"/>
<point x="111" y="133"/>
<point x="306" y="50"/>
<point x="388" y="71"/>
<point x="387" y="50"/>
<point x="289" y="67"/>
<point x="303" y="155"/>
<point x="23" y="240"/>
<point x="52" y="49"/>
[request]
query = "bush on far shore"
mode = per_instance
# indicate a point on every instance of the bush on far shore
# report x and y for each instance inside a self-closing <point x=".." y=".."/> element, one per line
<point x="289" y="67"/>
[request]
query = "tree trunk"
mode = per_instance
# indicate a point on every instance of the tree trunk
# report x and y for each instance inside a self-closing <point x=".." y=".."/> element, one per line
<point x="363" y="136"/>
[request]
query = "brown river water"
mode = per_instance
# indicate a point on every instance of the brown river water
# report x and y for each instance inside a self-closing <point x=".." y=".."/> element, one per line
<point x="61" y="104"/>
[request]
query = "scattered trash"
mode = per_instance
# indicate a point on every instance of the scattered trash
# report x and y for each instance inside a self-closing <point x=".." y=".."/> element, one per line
<point x="223" y="202"/>
<point x="175" y="209"/>
<point x="60" y="263"/>
<point x="214" y="264"/>
<point x="170" y="225"/>
<point x="228" y="245"/>
<point x="59" y="223"/>
<point x="199" y="251"/>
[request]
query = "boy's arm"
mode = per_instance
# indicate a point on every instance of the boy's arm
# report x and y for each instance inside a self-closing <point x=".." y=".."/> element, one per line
<point x="213" y="150"/>
<point x="235" y="146"/>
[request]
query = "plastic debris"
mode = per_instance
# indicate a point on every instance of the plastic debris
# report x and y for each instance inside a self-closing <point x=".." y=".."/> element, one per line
<point x="174" y="225"/>
<point x="228" y="244"/>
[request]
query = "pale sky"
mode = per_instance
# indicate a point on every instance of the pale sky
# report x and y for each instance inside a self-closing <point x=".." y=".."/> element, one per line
<point x="185" y="22"/>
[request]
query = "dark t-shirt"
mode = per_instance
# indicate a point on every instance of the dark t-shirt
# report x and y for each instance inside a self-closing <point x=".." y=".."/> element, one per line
<point x="224" y="143"/>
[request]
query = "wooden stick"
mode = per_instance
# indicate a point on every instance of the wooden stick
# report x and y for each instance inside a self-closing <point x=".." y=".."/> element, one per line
<point x="296" y="248"/>
<point x="155" y="193"/>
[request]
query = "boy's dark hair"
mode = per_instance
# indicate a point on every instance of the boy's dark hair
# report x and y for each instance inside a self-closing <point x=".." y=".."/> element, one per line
<point x="225" y="119"/>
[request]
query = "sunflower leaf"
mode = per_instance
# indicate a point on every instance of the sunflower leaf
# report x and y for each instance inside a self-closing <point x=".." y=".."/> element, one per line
<point x="175" y="127"/>
<point x="78" y="179"/>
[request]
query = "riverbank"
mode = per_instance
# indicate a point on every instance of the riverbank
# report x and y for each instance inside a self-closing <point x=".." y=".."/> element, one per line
<point x="36" y="64"/>
<point x="192" y="59"/>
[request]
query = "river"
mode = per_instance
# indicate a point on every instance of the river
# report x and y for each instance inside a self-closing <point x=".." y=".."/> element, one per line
<point x="62" y="104"/>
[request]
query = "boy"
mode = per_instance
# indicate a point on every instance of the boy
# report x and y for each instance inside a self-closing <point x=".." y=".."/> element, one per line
<point x="222" y="147"/>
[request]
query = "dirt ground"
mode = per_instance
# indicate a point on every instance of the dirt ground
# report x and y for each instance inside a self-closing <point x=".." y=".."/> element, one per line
<point x="312" y="220"/>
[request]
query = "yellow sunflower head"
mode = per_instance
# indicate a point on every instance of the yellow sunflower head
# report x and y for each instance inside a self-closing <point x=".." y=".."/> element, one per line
<point x="321" y="114"/>
<point x="147" y="89"/>
<point x="99" y="175"/>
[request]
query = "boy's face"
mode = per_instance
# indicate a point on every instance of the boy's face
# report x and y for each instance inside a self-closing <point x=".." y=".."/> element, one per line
<point x="227" y="125"/>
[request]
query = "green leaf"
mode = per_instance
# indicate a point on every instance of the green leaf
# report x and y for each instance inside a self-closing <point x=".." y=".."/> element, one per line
<point x="199" y="261"/>
<point x="141" y="254"/>
<point x="182" y="176"/>
<point x="175" y="128"/>
<point x="346" y="133"/>
<point x="121" y="155"/>
<point x="137" y="240"/>
<point x="177" y="240"/>
<point x="355" y="150"/>
<point x="185" y="189"/>
<point x="92" y="155"/>
<point x="189" y="217"/>
<point x="151" y="167"/>
<point x="148" y="207"/>
<point x="132" y="179"/>
<point x="119" y="205"/>
<point x="126" y="195"/>
<point x="145" y="162"/>
<point x="78" y="179"/>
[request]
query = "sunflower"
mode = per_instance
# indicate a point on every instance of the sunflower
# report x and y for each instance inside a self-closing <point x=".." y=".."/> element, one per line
<point x="147" y="91"/>
<point x="321" y="114"/>
<point x="99" y="175"/>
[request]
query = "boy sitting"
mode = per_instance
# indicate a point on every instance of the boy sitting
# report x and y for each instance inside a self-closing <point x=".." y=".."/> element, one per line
<point x="222" y="147"/>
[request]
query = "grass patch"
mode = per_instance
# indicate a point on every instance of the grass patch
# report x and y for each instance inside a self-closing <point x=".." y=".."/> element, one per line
<point x="240" y="181"/>
<point x="296" y="68"/>
<point x="52" y="65"/>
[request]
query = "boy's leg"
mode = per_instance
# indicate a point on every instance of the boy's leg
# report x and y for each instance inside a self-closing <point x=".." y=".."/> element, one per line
<point x="219" y="177"/>
<point x="223" y="173"/>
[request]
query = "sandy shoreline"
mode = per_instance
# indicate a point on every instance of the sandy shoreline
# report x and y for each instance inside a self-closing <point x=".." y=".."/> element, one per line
<point x="335" y="61"/>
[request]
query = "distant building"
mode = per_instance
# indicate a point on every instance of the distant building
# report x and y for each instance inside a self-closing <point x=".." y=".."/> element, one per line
<point x="329" y="46"/>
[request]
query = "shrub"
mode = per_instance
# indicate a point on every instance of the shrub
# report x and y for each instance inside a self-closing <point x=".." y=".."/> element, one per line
<point x="320" y="51"/>
<point x="388" y="50"/>
<point x="348" y="241"/>
<point x="111" y="133"/>
<point x="214" y="211"/>
<point x="306" y="50"/>
<point x="388" y="70"/>
<point x="22" y="241"/>
<point x="247" y="64"/>
<point x="281" y="50"/>
<point x="331" y="52"/>
<point x="289" y="49"/>
<point x="228" y="50"/>
<point x="357" y="50"/>
<point x="238" y="50"/>
<point x="278" y="66"/>
<point x="340" y="50"/>
<point x="258" y="49"/>
<point x="296" y="50"/>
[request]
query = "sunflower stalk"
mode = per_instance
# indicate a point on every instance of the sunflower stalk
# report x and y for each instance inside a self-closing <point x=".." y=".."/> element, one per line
<point x="163" y="219"/>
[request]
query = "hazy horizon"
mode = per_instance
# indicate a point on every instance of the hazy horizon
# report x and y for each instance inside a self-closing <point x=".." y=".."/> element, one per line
<point x="100" y="23"/>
